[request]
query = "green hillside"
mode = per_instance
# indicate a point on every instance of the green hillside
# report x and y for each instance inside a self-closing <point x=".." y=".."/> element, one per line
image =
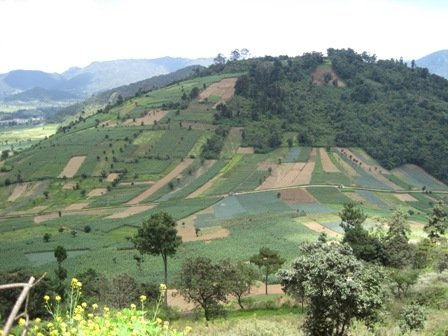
<point x="263" y="152"/>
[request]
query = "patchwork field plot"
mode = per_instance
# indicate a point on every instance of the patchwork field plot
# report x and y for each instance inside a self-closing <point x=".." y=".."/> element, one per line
<point x="405" y="197"/>
<point x="163" y="181"/>
<point x="239" y="174"/>
<point x="374" y="170"/>
<point x="18" y="191"/>
<point x="245" y="150"/>
<point x="224" y="89"/>
<point x="97" y="192"/>
<point x="327" y="165"/>
<point x="232" y="143"/>
<point x="130" y="211"/>
<point x="297" y="154"/>
<point x="150" y="118"/>
<point x="417" y="177"/>
<point x="290" y="174"/>
<point x="319" y="228"/>
<point x="372" y="199"/>
<point x="296" y="195"/>
<point x="328" y="195"/>
<point x="72" y="166"/>
<point x="367" y="176"/>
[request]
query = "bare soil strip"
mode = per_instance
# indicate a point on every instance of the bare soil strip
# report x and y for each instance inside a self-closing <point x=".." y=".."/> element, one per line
<point x="130" y="211"/>
<point x="76" y="206"/>
<point x="318" y="77"/>
<point x="245" y="150"/>
<point x="46" y="217"/>
<point x="112" y="176"/>
<point x="72" y="166"/>
<point x="163" y="181"/>
<point x="97" y="192"/>
<point x="127" y="184"/>
<point x="317" y="227"/>
<point x="224" y="89"/>
<point x="18" y="191"/>
<point x="327" y="165"/>
<point x="69" y="186"/>
<point x="290" y="174"/>
<point x="405" y="197"/>
<point x="54" y="215"/>
<point x="150" y="118"/>
<point x="296" y="195"/>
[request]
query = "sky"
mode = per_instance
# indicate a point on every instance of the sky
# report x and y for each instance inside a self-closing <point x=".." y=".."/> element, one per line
<point x="53" y="35"/>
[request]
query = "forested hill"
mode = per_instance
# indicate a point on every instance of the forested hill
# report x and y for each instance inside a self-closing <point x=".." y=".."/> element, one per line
<point x="396" y="113"/>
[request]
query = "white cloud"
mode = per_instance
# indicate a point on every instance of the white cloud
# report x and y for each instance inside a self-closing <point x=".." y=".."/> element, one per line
<point x="54" y="34"/>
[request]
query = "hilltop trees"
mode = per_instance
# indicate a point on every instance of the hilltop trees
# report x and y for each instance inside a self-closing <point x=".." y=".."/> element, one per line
<point x="338" y="287"/>
<point x="158" y="236"/>
<point x="268" y="261"/>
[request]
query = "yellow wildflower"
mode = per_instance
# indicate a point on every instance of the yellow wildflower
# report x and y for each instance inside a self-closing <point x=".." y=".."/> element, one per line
<point x="159" y="320"/>
<point x="38" y="320"/>
<point x="94" y="306"/>
<point x="142" y="298"/>
<point x="22" y="322"/>
<point x="84" y="304"/>
<point x="46" y="298"/>
<point x="57" y="298"/>
<point x="162" y="287"/>
<point x="187" y="330"/>
<point x="133" y="306"/>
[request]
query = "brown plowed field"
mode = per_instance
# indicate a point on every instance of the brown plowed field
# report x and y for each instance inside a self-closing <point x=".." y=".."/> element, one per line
<point x="290" y="174"/>
<point x="72" y="166"/>
<point x="317" y="227"/>
<point x="327" y="165"/>
<point x="149" y="119"/>
<point x="245" y="150"/>
<point x="18" y="191"/>
<point x="97" y="192"/>
<point x="224" y="89"/>
<point x="296" y="195"/>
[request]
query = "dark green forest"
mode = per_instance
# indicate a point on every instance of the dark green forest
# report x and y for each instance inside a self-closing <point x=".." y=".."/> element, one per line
<point x="397" y="113"/>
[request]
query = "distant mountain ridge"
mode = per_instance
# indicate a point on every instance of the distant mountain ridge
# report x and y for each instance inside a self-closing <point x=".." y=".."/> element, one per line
<point x="101" y="99"/>
<point x="436" y="63"/>
<point x="94" y="78"/>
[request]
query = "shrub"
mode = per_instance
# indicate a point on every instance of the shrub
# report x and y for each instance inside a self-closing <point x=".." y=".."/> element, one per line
<point x="412" y="318"/>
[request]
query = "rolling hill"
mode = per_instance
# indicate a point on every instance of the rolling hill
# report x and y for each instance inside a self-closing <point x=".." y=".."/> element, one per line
<point x="228" y="156"/>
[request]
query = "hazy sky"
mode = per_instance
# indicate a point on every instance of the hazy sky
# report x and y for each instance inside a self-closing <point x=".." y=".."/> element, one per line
<point x="52" y="35"/>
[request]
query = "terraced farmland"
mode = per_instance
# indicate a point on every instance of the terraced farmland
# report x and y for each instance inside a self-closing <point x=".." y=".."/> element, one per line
<point x="112" y="170"/>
